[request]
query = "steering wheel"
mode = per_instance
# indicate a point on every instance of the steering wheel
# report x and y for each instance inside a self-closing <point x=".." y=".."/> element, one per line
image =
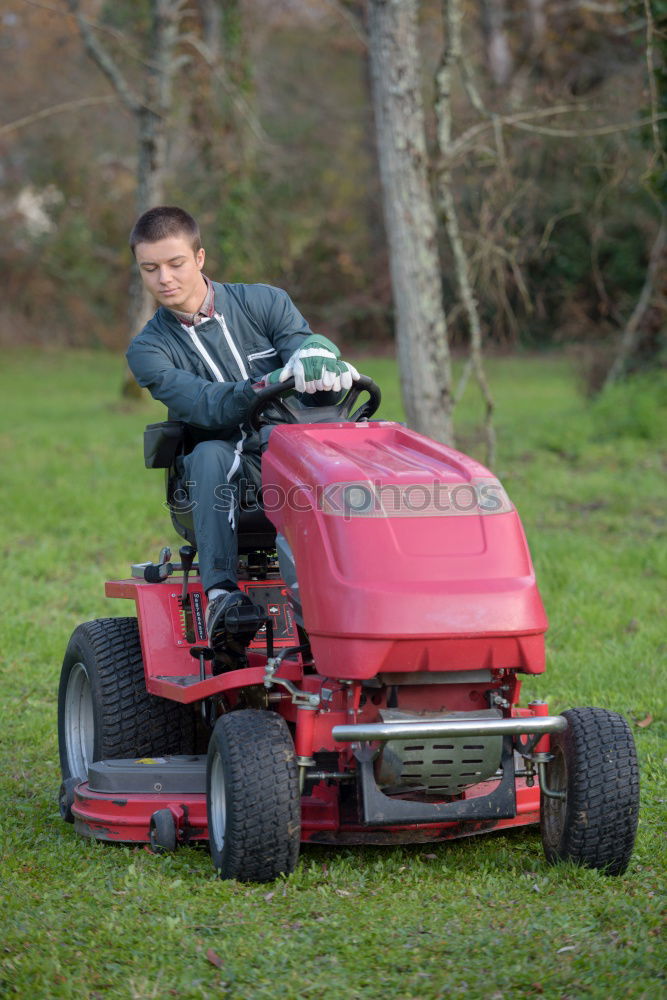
<point x="270" y="407"/>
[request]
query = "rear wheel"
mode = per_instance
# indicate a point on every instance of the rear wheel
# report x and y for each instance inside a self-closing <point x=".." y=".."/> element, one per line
<point x="253" y="800"/>
<point x="104" y="710"/>
<point x="595" y="767"/>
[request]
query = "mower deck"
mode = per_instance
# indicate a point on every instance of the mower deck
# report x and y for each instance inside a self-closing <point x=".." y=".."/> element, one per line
<point x="120" y="797"/>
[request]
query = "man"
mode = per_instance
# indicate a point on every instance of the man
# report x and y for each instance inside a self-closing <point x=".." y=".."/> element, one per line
<point x="204" y="354"/>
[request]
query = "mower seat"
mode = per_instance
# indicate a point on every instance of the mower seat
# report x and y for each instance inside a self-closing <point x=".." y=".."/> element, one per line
<point x="163" y="443"/>
<point x="255" y="531"/>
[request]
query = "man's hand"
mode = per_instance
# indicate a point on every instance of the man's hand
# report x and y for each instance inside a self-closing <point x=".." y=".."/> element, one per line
<point x="271" y="379"/>
<point x="316" y="367"/>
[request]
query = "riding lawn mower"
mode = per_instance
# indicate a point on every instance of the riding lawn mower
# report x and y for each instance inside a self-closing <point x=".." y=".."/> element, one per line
<point x="394" y="614"/>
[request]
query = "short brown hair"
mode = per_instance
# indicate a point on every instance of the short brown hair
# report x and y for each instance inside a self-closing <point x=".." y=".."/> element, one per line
<point x="163" y="221"/>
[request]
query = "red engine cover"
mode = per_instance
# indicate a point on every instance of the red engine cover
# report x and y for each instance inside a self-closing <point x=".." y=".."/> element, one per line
<point x="409" y="554"/>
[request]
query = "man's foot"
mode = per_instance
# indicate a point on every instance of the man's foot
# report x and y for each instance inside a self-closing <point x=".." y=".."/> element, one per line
<point x="232" y="621"/>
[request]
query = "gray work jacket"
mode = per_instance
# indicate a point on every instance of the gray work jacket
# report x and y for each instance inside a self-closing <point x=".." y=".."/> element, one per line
<point x="204" y="374"/>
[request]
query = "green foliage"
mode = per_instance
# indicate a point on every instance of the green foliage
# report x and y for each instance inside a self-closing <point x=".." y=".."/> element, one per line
<point x="481" y="917"/>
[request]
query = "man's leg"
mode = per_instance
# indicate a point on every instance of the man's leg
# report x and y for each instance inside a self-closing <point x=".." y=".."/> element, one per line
<point x="214" y="472"/>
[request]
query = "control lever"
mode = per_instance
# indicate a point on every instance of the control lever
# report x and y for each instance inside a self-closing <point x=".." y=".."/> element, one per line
<point x="187" y="554"/>
<point x="157" y="573"/>
<point x="202" y="653"/>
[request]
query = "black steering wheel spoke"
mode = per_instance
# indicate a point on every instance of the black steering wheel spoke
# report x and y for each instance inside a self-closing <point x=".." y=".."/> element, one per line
<point x="366" y="410"/>
<point x="273" y="405"/>
<point x="282" y="411"/>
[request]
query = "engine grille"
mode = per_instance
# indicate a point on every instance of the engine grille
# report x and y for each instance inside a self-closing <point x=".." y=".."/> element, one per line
<point x="441" y="766"/>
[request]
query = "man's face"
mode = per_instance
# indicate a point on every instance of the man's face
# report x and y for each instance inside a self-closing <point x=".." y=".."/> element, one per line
<point x="171" y="271"/>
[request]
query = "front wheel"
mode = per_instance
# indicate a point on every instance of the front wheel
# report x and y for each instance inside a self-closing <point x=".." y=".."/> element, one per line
<point x="253" y="801"/>
<point x="594" y="767"/>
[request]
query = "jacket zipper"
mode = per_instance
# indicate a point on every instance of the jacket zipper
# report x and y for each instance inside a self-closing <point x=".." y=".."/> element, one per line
<point x="263" y="354"/>
<point x="232" y="346"/>
<point x="204" y="353"/>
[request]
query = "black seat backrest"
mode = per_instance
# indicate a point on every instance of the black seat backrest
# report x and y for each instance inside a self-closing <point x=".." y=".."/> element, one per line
<point x="163" y="443"/>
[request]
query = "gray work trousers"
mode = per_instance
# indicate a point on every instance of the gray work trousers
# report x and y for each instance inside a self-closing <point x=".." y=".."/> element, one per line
<point x="215" y="474"/>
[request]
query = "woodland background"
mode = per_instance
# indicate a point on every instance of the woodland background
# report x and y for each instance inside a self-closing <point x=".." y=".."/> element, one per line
<point x="271" y="144"/>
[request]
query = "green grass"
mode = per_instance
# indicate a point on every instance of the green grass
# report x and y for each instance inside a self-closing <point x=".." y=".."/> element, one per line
<point x="482" y="917"/>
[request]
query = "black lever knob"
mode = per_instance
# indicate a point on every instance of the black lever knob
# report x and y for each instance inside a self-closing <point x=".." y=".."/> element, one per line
<point x="187" y="554"/>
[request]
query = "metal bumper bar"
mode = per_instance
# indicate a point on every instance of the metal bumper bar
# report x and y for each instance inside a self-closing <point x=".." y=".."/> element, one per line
<point x="372" y="731"/>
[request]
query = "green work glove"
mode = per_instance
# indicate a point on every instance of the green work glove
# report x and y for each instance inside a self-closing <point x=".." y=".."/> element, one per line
<point x="271" y="379"/>
<point x="316" y="367"/>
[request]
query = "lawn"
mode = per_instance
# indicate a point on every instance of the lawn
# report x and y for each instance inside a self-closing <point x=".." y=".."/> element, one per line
<point x="483" y="917"/>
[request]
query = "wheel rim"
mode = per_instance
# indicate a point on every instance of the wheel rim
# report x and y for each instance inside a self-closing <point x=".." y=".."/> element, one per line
<point x="553" y="810"/>
<point x="79" y="722"/>
<point x="218" y="807"/>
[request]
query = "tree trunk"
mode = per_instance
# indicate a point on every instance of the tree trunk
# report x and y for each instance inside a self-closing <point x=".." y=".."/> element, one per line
<point x="151" y="114"/>
<point x="423" y="349"/>
<point x="152" y="118"/>
<point x="496" y="42"/>
<point x="211" y="15"/>
<point x="150" y="192"/>
<point x="536" y="24"/>
<point x="452" y="57"/>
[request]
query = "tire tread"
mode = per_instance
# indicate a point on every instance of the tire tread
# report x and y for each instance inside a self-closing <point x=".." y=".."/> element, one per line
<point x="132" y="722"/>
<point x="263" y="814"/>
<point x="602" y="807"/>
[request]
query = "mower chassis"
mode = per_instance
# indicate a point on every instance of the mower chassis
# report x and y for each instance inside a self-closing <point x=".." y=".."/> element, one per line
<point x="123" y="812"/>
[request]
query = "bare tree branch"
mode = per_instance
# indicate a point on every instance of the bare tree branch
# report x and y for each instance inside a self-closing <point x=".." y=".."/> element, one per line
<point x="475" y="98"/>
<point x="210" y="15"/>
<point x="522" y="119"/>
<point x="592" y="6"/>
<point x="576" y="133"/>
<point x="462" y="383"/>
<point x="465" y="138"/>
<point x="350" y="19"/>
<point x="652" y="81"/>
<point x="119" y="36"/>
<point x="56" y="109"/>
<point x="100" y="56"/>
<point x="243" y="108"/>
<point x="632" y="333"/>
<point x="551" y="225"/>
